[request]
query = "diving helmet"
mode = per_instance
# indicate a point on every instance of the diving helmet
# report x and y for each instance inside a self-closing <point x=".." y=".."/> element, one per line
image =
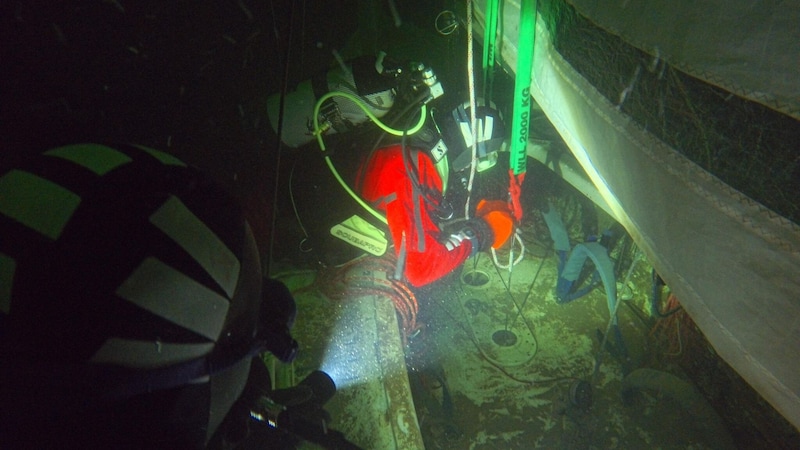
<point x="132" y="300"/>
<point x="457" y="136"/>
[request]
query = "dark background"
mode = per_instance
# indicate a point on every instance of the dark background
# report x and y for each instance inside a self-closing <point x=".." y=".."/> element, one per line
<point x="189" y="78"/>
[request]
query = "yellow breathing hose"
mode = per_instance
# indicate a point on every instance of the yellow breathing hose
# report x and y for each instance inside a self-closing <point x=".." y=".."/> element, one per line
<point x="360" y="103"/>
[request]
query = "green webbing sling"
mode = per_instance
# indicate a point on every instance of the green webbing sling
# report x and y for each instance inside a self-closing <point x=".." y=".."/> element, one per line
<point x="489" y="47"/>
<point x="522" y="97"/>
<point x="520" y="121"/>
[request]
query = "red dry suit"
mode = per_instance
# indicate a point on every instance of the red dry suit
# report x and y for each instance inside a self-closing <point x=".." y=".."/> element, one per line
<point x="388" y="186"/>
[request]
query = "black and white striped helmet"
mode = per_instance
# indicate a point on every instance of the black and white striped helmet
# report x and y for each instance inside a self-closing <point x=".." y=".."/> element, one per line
<point x="130" y="285"/>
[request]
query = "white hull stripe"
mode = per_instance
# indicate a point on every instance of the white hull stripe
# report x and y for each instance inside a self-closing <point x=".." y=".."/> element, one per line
<point x="170" y="294"/>
<point x="183" y="227"/>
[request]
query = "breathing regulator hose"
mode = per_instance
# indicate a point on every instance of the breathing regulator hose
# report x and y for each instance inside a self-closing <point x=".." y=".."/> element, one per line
<point x="318" y="131"/>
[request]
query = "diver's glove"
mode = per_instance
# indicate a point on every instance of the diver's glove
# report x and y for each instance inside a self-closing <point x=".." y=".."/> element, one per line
<point x="497" y="217"/>
<point x="477" y="231"/>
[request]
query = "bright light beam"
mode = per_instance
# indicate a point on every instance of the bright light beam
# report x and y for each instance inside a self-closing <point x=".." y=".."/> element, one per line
<point x="350" y="357"/>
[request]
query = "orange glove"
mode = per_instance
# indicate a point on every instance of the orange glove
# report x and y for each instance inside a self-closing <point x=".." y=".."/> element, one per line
<point x="497" y="215"/>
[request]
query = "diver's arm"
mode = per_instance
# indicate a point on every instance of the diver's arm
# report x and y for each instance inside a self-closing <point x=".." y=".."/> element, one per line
<point x="435" y="262"/>
<point x="428" y="263"/>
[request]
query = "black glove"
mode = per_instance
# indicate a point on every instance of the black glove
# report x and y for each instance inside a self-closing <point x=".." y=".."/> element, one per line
<point x="476" y="231"/>
<point x="276" y="316"/>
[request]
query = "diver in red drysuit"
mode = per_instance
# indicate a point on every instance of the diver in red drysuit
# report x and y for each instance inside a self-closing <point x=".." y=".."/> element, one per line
<point x="408" y="189"/>
<point x="386" y="185"/>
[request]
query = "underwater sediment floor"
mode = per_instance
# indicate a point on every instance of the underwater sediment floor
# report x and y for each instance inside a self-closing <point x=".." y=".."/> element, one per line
<point x="537" y="403"/>
<point x="482" y="374"/>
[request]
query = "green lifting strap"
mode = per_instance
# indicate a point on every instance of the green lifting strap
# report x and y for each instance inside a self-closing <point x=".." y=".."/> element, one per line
<point x="522" y="96"/>
<point x="489" y="47"/>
